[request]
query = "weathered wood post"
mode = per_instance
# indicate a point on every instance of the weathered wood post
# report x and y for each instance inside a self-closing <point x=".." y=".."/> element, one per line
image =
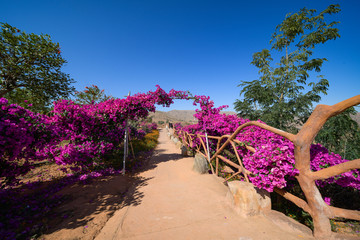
<point x="126" y="143"/>
<point x="207" y="146"/>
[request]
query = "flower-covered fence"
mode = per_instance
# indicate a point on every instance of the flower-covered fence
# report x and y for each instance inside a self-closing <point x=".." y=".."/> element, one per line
<point x="302" y="146"/>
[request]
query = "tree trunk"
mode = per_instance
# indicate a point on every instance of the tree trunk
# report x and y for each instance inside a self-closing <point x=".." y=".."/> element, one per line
<point x="5" y="91"/>
<point x="287" y="72"/>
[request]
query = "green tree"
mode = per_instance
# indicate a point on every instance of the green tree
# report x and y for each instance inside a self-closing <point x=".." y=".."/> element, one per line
<point x="31" y="64"/>
<point x="26" y="99"/>
<point x="91" y="95"/>
<point x="341" y="135"/>
<point x="283" y="95"/>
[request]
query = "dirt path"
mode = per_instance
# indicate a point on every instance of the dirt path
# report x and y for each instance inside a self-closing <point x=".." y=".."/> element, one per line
<point x="175" y="202"/>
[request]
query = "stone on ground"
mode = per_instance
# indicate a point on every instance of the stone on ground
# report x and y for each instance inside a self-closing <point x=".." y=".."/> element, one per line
<point x="201" y="164"/>
<point x="287" y="223"/>
<point x="247" y="199"/>
<point x="184" y="151"/>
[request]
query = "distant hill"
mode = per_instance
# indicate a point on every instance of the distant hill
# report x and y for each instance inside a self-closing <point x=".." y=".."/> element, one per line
<point x="182" y="116"/>
<point x="357" y="118"/>
<point x="186" y="116"/>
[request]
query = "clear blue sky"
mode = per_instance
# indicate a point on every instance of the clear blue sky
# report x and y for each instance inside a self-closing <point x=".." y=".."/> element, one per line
<point x="204" y="46"/>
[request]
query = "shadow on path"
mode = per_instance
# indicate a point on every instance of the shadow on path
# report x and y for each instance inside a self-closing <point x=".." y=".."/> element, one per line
<point x="87" y="208"/>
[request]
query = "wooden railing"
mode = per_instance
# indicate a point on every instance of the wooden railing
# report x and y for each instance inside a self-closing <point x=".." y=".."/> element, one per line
<point x="314" y="204"/>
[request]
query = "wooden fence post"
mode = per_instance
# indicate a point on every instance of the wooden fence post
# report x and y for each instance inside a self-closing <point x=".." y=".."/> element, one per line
<point x="126" y="143"/>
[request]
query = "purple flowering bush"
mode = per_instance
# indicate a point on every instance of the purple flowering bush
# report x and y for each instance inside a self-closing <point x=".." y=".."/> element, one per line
<point x="273" y="163"/>
<point x="84" y="136"/>
<point x="76" y="135"/>
<point x="24" y="136"/>
<point x="97" y="130"/>
<point x="80" y="135"/>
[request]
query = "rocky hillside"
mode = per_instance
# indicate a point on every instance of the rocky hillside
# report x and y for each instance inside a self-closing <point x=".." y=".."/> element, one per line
<point x="186" y="116"/>
<point x="357" y="118"/>
<point x="182" y="116"/>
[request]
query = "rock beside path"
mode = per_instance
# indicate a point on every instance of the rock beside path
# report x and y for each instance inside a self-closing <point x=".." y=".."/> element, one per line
<point x="247" y="199"/>
<point x="288" y="224"/>
<point x="201" y="164"/>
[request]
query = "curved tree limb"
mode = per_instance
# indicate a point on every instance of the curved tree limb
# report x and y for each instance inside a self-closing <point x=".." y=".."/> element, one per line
<point x="345" y="213"/>
<point x="287" y="135"/>
<point x="335" y="170"/>
<point x="296" y="200"/>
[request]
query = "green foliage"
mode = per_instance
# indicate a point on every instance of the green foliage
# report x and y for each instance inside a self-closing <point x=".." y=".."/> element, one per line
<point x="341" y="135"/>
<point x="91" y="95"/>
<point x="283" y="95"/>
<point x="147" y="144"/>
<point x="141" y="149"/>
<point x="287" y="207"/>
<point x="31" y="64"/>
<point x="149" y="119"/>
<point x="27" y="99"/>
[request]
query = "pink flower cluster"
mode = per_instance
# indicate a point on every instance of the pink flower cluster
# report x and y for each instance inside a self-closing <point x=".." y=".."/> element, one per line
<point x="273" y="163"/>
<point x="81" y="135"/>
<point x="24" y="136"/>
<point x="73" y="134"/>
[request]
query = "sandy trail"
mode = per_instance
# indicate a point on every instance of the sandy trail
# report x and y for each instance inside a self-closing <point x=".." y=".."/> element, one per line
<point x="178" y="203"/>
